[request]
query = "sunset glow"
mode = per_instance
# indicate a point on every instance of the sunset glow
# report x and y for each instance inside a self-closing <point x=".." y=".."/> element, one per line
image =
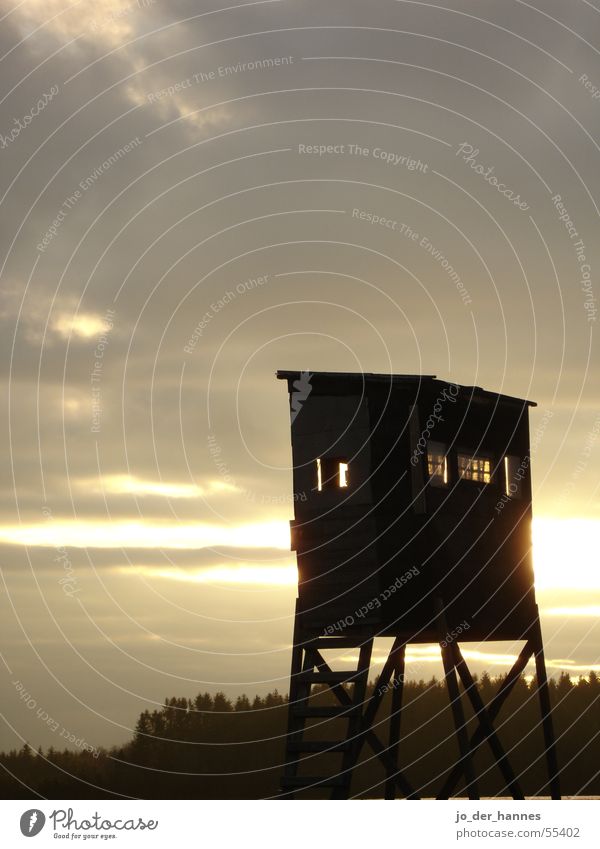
<point x="132" y="485"/>
<point x="565" y="551"/>
<point x="90" y="534"/>
<point x="245" y="574"/>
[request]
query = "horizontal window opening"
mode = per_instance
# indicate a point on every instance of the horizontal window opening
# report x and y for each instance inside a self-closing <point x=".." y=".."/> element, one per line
<point x="475" y="468"/>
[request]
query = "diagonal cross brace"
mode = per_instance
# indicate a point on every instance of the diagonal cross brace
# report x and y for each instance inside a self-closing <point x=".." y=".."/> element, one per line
<point x="492" y="712"/>
<point x="485" y="724"/>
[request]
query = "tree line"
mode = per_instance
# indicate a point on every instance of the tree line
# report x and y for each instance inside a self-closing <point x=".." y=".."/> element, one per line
<point x="212" y="747"/>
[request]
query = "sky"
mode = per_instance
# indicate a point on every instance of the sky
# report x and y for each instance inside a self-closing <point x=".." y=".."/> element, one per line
<point x="194" y="195"/>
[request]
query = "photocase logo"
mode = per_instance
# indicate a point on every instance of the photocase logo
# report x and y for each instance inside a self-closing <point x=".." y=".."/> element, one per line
<point x="32" y="822"/>
<point x="302" y="389"/>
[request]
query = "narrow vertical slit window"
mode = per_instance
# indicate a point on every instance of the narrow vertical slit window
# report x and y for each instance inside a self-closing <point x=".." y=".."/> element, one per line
<point x="343" y="474"/>
<point x="437" y="463"/>
<point x="319" y="475"/>
<point x="513" y="476"/>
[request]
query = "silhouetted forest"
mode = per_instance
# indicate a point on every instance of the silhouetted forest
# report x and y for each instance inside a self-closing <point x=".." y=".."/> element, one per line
<point x="209" y="747"/>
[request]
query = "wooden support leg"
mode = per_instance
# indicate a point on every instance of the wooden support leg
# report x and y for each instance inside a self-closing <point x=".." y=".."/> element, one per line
<point x="547" y="726"/>
<point x="395" y="717"/>
<point x="464" y="744"/>
<point x="381" y="686"/>
<point x="299" y="692"/>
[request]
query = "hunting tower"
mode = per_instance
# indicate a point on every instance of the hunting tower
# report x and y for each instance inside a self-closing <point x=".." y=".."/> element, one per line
<point x="412" y="520"/>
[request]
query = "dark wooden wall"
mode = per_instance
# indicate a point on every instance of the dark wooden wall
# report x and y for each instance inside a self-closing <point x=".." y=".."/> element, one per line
<point x="390" y="541"/>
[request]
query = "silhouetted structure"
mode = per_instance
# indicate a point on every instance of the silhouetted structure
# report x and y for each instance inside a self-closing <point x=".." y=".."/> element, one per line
<point x="412" y="520"/>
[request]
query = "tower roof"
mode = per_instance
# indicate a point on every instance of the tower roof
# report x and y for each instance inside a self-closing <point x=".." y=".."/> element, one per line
<point x="363" y="378"/>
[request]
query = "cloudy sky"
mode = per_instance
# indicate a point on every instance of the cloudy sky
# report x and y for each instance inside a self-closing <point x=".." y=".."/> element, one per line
<point x="196" y="194"/>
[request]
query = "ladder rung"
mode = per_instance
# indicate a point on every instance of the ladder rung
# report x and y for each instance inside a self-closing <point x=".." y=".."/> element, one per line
<point x="350" y="676"/>
<point x="318" y="745"/>
<point x="342" y="711"/>
<point x="314" y="780"/>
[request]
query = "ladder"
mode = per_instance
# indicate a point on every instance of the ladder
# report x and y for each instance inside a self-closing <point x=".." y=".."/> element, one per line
<point x="310" y="669"/>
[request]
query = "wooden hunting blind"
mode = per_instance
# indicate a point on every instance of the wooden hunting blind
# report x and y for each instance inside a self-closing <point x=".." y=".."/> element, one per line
<point x="412" y="515"/>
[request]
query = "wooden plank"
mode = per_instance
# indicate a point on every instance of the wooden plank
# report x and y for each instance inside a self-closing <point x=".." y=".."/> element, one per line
<point x="320" y="746"/>
<point x="333" y="643"/>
